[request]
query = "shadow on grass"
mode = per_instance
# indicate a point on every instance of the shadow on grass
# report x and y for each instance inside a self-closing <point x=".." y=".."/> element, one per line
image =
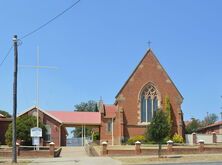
<point x="2" y="161"/>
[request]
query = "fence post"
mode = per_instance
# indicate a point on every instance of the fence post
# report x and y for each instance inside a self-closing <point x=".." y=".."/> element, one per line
<point x="104" y="149"/>
<point x="170" y="146"/>
<point x="137" y="148"/>
<point x="18" y="149"/>
<point x="194" y="136"/>
<point x="51" y="149"/>
<point x="201" y="145"/>
<point x="214" y="137"/>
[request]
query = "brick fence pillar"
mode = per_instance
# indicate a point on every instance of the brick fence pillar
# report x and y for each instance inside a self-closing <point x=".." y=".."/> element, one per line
<point x="170" y="146"/>
<point x="137" y="148"/>
<point x="104" y="149"/>
<point x="201" y="145"/>
<point x="214" y="137"/>
<point x="18" y="149"/>
<point x="51" y="149"/>
<point x="194" y="135"/>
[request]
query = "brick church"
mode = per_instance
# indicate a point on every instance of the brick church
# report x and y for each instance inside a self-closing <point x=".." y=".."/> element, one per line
<point x="138" y="99"/>
<point x="136" y="102"/>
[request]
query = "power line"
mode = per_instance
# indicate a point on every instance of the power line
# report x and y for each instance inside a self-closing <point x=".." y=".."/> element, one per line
<point x="39" y="28"/>
<point x="48" y="22"/>
<point x="7" y="54"/>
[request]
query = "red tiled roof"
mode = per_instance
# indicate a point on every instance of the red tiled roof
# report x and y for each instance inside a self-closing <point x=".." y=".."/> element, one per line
<point x="215" y="124"/>
<point x="211" y="125"/>
<point x="110" y="111"/>
<point x="90" y="118"/>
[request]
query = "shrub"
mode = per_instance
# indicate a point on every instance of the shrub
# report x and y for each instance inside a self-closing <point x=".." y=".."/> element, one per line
<point x="177" y="138"/>
<point x="136" y="138"/>
<point x="96" y="136"/>
<point x="23" y="126"/>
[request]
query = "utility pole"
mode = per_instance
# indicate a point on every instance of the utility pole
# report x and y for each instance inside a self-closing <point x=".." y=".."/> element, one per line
<point x="221" y="108"/>
<point x="14" y="155"/>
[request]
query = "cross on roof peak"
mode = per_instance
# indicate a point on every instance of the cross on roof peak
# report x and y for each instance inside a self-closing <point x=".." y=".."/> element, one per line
<point x="149" y="44"/>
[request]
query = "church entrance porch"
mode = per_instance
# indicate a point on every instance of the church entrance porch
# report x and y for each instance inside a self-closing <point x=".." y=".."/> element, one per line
<point x="80" y="135"/>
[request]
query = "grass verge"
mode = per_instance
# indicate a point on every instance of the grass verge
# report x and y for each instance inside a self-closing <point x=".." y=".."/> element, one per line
<point x="169" y="159"/>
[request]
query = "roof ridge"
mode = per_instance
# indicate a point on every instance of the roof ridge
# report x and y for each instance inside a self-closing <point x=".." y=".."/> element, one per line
<point x="146" y="54"/>
<point x="137" y="66"/>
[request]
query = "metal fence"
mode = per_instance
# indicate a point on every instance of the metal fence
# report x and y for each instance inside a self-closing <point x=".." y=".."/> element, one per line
<point x="77" y="141"/>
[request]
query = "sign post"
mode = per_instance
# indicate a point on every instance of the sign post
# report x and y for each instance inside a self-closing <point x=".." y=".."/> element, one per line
<point x="36" y="133"/>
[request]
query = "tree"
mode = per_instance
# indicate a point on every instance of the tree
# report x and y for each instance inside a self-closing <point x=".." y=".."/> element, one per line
<point x="159" y="129"/>
<point x="6" y="114"/>
<point x="23" y="126"/>
<point x="209" y="119"/>
<point x="168" y="112"/>
<point x="90" y="106"/>
<point x="193" y="126"/>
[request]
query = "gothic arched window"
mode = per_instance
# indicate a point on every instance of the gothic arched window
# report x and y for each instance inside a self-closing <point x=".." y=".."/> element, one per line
<point x="149" y="103"/>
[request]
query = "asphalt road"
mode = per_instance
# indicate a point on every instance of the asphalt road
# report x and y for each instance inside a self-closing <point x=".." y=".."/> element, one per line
<point x="201" y="163"/>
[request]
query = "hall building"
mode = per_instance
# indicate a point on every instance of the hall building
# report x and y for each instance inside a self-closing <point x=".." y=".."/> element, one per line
<point x="135" y="104"/>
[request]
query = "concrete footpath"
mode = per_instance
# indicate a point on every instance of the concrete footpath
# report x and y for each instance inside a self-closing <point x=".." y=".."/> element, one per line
<point x="75" y="156"/>
<point x="77" y="161"/>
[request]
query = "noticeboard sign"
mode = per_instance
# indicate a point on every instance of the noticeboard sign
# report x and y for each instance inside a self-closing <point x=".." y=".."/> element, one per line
<point x="36" y="132"/>
<point x="35" y="141"/>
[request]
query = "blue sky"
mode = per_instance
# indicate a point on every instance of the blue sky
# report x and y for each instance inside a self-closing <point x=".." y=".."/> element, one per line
<point x="97" y="44"/>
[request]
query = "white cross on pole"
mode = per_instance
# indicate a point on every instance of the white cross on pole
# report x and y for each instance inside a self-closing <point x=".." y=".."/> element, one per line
<point x="37" y="67"/>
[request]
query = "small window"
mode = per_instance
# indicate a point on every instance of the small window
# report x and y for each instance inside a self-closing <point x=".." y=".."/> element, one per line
<point x="48" y="133"/>
<point x="34" y="113"/>
<point x="109" y="126"/>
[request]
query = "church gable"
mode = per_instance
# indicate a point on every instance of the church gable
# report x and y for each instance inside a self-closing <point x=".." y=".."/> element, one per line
<point x="149" y="70"/>
<point x="144" y="92"/>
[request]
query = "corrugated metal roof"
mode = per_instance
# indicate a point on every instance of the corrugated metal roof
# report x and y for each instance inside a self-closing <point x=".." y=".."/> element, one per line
<point x="87" y="118"/>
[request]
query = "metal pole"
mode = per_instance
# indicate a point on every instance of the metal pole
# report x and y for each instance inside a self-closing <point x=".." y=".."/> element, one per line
<point x="14" y="155"/>
<point x="112" y="133"/>
<point x="82" y="135"/>
<point x="37" y="88"/>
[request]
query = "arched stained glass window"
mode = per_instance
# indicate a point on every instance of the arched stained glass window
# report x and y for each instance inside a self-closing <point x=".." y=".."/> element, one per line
<point x="149" y="103"/>
<point x="149" y="109"/>
<point x="143" y="109"/>
<point x="155" y="105"/>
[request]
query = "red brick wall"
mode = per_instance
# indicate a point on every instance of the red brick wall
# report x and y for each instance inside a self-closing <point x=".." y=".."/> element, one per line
<point x="3" y="128"/>
<point x="63" y="136"/>
<point x="104" y="134"/>
<point x="148" y="71"/>
<point x="55" y="126"/>
<point x="55" y="129"/>
<point x="210" y="130"/>
<point x="164" y="151"/>
<point x="117" y="129"/>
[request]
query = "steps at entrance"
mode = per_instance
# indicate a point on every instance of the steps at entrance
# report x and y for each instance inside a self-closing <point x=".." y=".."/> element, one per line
<point x="73" y="152"/>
